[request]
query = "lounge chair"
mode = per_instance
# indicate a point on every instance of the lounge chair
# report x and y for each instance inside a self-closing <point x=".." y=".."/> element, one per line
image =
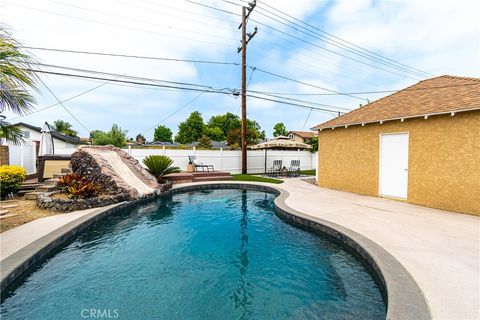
<point x="276" y="169"/>
<point x="196" y="164"/>
<point x="294" y="169"/>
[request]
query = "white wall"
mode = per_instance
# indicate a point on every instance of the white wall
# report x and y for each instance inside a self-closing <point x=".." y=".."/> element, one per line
<point x="23" y="155"/>
<point x="224" y="160"/>
<point x="35" y="136"/>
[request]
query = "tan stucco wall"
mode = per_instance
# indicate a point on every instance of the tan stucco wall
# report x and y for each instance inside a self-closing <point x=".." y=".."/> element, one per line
<point x="54" y="167"/>
<point x="444" y="160"/>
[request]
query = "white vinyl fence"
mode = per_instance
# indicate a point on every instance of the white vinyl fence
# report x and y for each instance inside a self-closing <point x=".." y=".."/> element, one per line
<point x="23" y="155"/>
<point x="225" y="160"/>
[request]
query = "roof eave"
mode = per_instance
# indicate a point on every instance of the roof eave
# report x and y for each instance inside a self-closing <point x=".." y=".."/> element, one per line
<point x="345" y="125"/>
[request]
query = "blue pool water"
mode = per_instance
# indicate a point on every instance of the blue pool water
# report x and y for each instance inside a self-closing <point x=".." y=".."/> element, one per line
<point x="217" y="254"/>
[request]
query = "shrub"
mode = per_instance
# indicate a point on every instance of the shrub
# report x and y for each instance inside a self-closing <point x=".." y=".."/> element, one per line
<point x="205" y="143"/>
<point x="10" y="179"/>
<point x="159" y="166"/>
<point x="77" y="186"/>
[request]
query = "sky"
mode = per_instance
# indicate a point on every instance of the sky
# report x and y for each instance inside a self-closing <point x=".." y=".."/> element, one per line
<point x="433" y="37"/>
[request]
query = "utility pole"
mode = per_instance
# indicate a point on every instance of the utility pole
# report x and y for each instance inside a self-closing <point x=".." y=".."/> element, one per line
<point x="245" y="39"/>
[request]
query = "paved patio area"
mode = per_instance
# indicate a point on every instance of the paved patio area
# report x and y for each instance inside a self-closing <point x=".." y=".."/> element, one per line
<point x="440" y="249"/>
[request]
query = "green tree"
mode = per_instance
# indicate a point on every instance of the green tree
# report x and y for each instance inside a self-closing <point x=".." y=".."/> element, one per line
<point x="116" y="136"/>
<point x="162" y="133"/>
<point x="65" y="128"/>
<point x="215" y="133"/>
<point x="191" y="129"/>
<point x="314" y="144"/>
<point x="279" y="130"/>
<point x="16" y="78"/>
<point x="228" y="127"/>
<point x="140" y="138"/>
<point x="225" y="122"/>
<point x="205" y="143"/>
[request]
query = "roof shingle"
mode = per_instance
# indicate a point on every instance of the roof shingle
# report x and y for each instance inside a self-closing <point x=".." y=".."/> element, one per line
<point x="432" y="96"/>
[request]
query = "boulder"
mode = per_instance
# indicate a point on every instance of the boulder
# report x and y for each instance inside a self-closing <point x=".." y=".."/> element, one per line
<point x="115" y="171"/>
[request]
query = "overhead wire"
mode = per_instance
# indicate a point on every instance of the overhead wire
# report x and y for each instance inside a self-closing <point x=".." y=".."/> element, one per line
<point x="175" y="112"/>
<point x="343" y="40"/>
<point x="318" y="36"/>
<point x="121" y="26"/>
<point x="129" y="56"/>
<point x="64" y="100"/>
<point x="231" y="92"/>
<point x="303" y="40"/>
<point x="142" y="21"/>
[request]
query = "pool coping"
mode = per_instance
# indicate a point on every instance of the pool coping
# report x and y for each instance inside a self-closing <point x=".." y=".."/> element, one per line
<point x="405" y="299"/>
<point x="18" y="263"/>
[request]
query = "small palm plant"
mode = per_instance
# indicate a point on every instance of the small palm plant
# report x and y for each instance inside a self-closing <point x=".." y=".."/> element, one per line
<point x="159" y="166"/>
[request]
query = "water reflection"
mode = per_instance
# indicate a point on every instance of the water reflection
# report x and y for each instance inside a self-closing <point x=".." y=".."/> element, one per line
<point x="243" y="296"/>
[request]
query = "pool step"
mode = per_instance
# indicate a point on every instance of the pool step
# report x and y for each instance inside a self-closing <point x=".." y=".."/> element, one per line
<point x="212" y="178"/>
<point x="185" y="177"/>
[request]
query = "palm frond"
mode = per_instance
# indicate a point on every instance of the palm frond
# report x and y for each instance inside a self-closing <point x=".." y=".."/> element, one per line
<point x="11" y="133"/>
<point x="16" y="76"/>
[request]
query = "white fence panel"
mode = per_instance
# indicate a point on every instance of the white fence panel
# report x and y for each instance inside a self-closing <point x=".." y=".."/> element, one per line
<point x="23" y="155"/>
<point x="222" y="160"/>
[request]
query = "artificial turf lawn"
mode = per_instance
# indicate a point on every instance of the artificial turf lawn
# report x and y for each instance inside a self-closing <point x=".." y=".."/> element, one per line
<point x="256" y="178"/>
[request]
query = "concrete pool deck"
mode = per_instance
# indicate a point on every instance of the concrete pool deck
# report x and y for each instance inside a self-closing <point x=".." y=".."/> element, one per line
<point x="440" y="249"/>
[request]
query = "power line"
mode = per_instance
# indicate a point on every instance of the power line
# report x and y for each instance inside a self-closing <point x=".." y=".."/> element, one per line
<point x="120" y="26"/>
<point x="205" y="86"/>
<point x="142" y="21"/>
<point x="367" y="92"/>
<point x="63" y="106"/>
<point x="129" y="81"/>
<point x="231" y="92"/>
<point x="298" y="100"/>
<point x="308" y="84"/>
<point x="331" y="51"/>
<point x="203" y="23"/>
<point x="121" y="75"/>
<point x="302" y="40"/>
<point x="342" y="46"/>
<point x="129" y="56"/>
<point x="176" y="111"/>
<point x="65" y="100"/>
<point x="343" y="40"/>
<point x="296" y="104"/>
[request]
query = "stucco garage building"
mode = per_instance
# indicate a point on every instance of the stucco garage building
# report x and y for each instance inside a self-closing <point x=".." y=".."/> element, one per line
<point x="420" y="144"/>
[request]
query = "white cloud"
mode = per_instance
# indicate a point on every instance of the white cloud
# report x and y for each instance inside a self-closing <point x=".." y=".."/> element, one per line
<point x="440" y="37"/>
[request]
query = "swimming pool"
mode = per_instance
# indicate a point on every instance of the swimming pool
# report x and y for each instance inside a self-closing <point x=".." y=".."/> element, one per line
<point x="212" y="254"/>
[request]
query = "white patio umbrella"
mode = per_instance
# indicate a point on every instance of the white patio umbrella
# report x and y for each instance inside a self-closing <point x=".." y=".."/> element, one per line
<point x="46" y="141"/>
<point x="280" y="143"/>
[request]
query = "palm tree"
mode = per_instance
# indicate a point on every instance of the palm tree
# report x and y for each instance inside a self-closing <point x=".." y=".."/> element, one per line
<point x="16" y="78"/>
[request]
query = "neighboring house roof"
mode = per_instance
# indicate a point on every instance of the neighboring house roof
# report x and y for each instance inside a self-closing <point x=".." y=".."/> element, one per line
<point x="56" y="135"/>
<point x="303" y="134"/>
<point x="162" y="143"/>
<point x="439" y="95"/>
<point x="215" y="145"/>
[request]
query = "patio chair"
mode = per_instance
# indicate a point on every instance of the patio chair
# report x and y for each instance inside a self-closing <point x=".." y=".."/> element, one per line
<point x="294" y="169"/>
<point x="196" y="164"/>
<point x="276" y="169"/>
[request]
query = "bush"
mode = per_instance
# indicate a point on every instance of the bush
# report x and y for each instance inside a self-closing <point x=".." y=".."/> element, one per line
<point x="10" y="179"/>
<point x="159" y="166"/>
<point x="205" y="143"/>
<point x="77" y="186"/>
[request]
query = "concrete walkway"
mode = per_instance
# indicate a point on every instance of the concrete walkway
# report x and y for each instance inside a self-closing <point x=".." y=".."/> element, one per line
<point x="17" y="238"/>
<point x="440" y="249"/>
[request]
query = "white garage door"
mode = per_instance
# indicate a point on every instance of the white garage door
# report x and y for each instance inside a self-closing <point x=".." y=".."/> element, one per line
<point x="394" y="165"/>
